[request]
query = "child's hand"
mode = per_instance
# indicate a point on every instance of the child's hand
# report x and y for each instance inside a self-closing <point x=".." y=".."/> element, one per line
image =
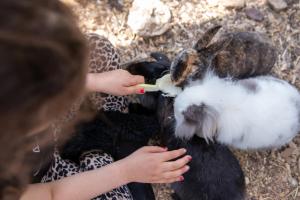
<point x="152" y="164"/>
<point x="117" y="82"/>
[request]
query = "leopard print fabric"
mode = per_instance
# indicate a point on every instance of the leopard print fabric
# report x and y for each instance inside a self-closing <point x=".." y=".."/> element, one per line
<point x="89" y="161"/>
<point x="103" y="57"/>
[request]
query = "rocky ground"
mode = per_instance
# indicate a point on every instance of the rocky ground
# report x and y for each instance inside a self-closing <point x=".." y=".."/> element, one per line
<point x="270" y="175"/>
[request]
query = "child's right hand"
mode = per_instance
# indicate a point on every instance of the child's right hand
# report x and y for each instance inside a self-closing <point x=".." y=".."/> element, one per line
<point x="151" y="164"/>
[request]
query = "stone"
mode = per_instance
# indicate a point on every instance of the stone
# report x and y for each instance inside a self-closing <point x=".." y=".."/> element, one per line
<point x="247" y="180"/>
<point x="232" y="3"/>
<point x="297" y="51"/>
<point x="277" y="5"/>
<point x="254" y="14"/>
<point x="148" y="18"/>
<point x="227" y="3"/>
<point x="293" y="181"/>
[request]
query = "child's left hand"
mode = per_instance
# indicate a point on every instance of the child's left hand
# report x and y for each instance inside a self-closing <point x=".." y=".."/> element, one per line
<point x="117" y="82"/>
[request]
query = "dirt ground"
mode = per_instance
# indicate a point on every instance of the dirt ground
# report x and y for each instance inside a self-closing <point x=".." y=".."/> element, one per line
<point x="270" y="175"/>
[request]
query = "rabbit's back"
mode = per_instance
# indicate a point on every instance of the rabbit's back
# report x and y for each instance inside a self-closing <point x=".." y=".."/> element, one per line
<point x="267" y="118"/>
<point x="214" y="174"/>
<point x="248" y="54"/>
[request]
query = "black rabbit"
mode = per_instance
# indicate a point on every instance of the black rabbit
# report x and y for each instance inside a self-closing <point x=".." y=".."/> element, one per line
<point x="120" y="134"/>
<point x="115" y="133"/>
<point x="215" y="173"/>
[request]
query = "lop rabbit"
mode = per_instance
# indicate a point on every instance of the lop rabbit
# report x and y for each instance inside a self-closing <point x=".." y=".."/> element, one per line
<point x="260" y="112"/>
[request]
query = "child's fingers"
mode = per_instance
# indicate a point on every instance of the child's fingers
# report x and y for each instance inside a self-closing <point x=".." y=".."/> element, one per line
<point x="176" y="173"/>
<point x="172" y="180"/>
<point x="136" y="89"/>
<point x="136" y="79"/>
<point x="170" y="155"/>
<point x="154" y="149"/>
<point x="174" y="165"/>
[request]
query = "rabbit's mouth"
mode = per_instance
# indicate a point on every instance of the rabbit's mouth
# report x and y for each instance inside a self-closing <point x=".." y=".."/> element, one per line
<point x="185" y="64"/>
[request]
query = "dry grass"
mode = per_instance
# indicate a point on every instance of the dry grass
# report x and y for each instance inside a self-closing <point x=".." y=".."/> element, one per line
<point x="270" y="175"/>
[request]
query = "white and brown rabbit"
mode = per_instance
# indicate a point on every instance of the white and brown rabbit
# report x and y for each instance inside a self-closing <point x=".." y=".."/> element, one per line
<point x="259" y="112"/>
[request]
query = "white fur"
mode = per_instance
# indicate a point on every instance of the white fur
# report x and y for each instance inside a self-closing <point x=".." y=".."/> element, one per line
<point x="268" y="117"/>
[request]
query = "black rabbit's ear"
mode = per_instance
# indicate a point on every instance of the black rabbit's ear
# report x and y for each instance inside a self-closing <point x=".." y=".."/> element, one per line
<point x="214" y="49"/>
<point x="206" y="38"/>
<point x="161" y="59"/>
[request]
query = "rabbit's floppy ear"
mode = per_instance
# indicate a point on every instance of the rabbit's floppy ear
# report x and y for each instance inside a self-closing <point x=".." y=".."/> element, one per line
<point x="200" y="120"/>
<point x="212" y="50"/>
<point x="161" y="59"/>
<point x="206" y="38"/>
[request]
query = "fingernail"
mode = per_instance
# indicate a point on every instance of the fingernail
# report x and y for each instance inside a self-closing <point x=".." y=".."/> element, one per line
<point x="165" y="148"/>
<point x="142" y="91"/>
<point x="187" y="168"/>
<point x="184" y="150"/>
<point x="181" y="178"/>
<point x="189" y="158"/>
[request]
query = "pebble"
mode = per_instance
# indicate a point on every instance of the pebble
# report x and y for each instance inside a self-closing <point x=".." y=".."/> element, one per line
<point x="233" y="3"/>
<point x="277" y="5"/>
<point x="148" y="18"/>
<point x="293" y="181"/>
<point x="227" y="3"/>
<point x="247" y="181"/>
<point x="254" y="14"/>
<point x="297" y="51"/>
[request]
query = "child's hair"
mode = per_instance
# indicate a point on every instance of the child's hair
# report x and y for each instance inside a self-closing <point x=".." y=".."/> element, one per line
<point x="42" y="71"/>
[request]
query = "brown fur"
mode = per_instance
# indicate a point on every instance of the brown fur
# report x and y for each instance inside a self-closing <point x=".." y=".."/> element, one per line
<point x="42" y="71"/>
<point x="191" y="65"/>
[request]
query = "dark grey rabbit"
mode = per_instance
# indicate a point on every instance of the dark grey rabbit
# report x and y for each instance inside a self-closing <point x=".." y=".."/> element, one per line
<point x="215" y="173"/>
<point x="238" y="55"/>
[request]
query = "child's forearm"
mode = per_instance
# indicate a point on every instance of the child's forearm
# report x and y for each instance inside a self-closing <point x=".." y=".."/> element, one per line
<point x="90" y="184"/>
<point x="86" y="185"/>
<point x="95" y="82"/>
<point x="118" y="82"/>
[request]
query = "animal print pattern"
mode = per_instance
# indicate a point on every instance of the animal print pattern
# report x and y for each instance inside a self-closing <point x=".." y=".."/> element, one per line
<point x="89" y="161"/>
<point x="104" y="57"/>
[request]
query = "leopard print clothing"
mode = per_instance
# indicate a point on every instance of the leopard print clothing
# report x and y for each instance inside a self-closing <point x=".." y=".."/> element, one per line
<point x="104" y="57"/>
<point x="89" y="161"/>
